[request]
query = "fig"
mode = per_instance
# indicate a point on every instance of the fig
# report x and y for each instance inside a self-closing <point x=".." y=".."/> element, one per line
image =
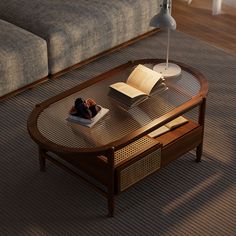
<point x="82" y="109"/>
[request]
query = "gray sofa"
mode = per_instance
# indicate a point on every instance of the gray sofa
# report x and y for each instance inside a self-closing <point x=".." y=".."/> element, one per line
<point x="23" y="57"/>
<point x="74" y="30"/>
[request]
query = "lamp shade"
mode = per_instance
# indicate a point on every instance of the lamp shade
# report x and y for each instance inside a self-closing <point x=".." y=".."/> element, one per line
<point x="163" y="19"/>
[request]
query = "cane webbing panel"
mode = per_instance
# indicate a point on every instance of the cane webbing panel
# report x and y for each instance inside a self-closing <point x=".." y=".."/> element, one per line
<point x="53" y="124"/>
<point x="134" y="148"/>
<point x="140" y="169"/>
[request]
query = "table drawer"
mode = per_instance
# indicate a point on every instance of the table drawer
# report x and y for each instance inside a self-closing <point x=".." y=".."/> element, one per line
<point x="136" y="171"/>
<point x="181" y="145"/>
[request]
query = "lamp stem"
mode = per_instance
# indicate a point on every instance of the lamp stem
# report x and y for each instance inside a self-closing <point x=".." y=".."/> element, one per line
<point x="168" y="47"/>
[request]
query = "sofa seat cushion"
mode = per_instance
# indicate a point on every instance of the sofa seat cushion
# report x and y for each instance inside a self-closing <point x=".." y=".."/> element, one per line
<point x="77" y="30"/>
<point x="23" y="58"/>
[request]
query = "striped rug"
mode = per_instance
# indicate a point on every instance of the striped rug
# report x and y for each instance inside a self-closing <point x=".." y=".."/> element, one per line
<point x="184" y="198"/>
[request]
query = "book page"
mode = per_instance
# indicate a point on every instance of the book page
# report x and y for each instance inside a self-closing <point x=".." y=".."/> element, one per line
<point x="162" y="130"/>
<point x="144" y="79"/>
<point x="127" y="89"/>
<point x="176" y="122"/>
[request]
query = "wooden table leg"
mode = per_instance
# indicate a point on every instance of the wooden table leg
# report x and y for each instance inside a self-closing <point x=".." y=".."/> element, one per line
<point x="42" y="160"/>
<point x="199" y="152"/>
<point x="111" y="206"/>
<point x="111" y="192"/>
<point x="201" y="121"/>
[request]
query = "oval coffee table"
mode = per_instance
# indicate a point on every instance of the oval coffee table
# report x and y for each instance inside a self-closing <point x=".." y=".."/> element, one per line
<point x="118" y="152"/>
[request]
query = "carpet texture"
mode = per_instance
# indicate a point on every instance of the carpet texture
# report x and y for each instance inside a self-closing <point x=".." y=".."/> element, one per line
<point x="185" y="198"/>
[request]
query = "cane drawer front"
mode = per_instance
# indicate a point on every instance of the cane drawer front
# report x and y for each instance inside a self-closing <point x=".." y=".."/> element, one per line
<point x="134" y="149"/>
<point x="139" y="166"/>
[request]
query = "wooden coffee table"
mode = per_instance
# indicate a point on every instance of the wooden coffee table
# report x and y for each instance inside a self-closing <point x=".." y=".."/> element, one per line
<point x="118" y="152"/>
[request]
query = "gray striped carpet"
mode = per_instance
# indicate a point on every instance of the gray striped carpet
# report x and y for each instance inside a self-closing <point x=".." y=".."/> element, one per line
<point x="185" y="198"/>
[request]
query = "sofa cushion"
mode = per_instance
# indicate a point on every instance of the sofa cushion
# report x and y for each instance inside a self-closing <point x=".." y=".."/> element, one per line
<point x="23" y="58"/>
<point x="77" y="30"/>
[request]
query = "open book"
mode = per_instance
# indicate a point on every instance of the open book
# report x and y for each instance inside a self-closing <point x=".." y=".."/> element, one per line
<point x="169" y="126"/>
<point x="142" y="82"/>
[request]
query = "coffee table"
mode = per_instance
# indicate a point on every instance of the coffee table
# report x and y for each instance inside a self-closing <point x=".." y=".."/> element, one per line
<point x="117" y="152"/>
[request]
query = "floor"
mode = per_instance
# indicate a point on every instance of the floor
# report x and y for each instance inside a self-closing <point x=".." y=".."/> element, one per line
<point x="196" y="19"/>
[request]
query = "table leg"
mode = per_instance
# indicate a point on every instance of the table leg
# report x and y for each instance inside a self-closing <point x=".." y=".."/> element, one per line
<point x="111" y="173"/>
<point x="111" y="206"/>
<point x="201" y="121"/>
<point x="42" y="160"/>
<point x="199" y="152"/>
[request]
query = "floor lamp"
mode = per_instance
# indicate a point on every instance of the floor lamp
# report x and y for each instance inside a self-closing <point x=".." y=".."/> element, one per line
<point x="164" y="20"/>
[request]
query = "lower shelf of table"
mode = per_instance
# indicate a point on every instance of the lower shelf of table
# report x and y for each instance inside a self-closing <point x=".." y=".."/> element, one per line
<point x="173" y="145"/>
<point x="150" y="156"/>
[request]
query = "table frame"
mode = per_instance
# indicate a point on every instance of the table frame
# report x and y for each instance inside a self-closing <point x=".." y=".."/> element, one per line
<point x="101" y="162"/>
